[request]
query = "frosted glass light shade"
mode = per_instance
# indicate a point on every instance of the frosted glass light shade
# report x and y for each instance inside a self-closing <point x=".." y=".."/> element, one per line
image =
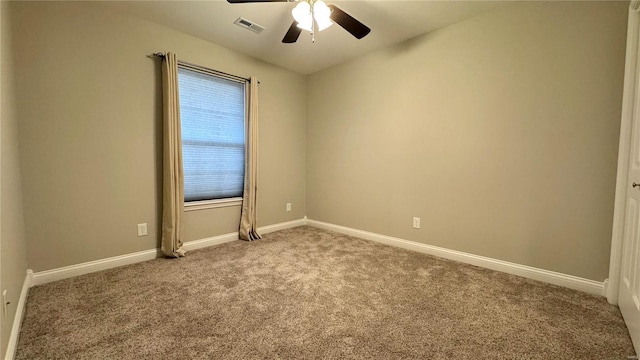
<point x="302" y="14"/>
<point x="322" y="13"/>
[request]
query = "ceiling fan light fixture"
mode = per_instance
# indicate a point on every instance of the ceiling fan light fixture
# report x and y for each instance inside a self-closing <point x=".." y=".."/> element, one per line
<point x="302" y="14"/>
<point x="322" y="14"/>
<point x="306" y="24"/>
<point x="323" y="24"/>
<point x="306" y="11"/>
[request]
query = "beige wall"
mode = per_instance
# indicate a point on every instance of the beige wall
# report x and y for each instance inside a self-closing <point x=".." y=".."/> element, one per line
<point x="13" y="255"/>
<point x="500" y="132"/>
<point x="89" y="102"/>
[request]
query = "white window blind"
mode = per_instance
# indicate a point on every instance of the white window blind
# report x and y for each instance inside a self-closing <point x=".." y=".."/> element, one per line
<point x="212" y="112"/>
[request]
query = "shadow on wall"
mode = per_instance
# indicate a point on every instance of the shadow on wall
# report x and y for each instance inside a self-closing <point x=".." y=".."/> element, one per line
<point x="408" y="46"/>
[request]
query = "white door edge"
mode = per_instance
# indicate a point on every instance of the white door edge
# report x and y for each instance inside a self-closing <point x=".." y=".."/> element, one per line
<point x="624" y="149"/>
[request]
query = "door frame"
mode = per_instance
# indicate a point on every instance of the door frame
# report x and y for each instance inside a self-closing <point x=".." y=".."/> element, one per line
<point x="628" y="97"/>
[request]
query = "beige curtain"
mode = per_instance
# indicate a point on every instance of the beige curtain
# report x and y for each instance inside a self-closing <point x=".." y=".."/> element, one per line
<point x="172" y="173"/>
<point x="248" y="219"/>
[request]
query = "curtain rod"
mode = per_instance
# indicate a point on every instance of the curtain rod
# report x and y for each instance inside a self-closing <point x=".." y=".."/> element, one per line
<point x="162" y="55"/>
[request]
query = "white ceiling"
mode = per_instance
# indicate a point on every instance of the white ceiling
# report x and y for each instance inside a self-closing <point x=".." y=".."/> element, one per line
<point x="391" y="21"/>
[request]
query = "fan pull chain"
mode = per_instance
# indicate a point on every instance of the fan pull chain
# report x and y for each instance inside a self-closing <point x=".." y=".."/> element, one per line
<point x="313" y="24"/>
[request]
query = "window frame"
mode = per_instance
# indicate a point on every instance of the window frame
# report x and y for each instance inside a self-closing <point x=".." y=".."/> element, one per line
<point x="230" y="201"/>
<point x="212" y="204"/>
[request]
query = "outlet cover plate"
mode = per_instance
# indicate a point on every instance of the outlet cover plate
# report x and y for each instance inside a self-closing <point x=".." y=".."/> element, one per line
<point x="4" y="302"/>
<point x="142" y="229"/>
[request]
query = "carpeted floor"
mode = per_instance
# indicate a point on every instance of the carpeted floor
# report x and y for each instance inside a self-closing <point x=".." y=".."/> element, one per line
<point x="309" y="293"/>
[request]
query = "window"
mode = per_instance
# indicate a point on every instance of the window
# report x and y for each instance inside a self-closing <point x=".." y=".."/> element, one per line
<point x="212" y="113"/>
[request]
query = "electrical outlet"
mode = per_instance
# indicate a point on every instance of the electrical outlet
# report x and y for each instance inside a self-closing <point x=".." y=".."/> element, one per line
<point x="4" y="302"/>
<point x="142" y="229"/>
<point x="416" y="223"/>
<point x="288" y="206"/>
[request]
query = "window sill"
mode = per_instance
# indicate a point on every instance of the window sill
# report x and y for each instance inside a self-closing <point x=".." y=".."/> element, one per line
<point x="212" y="204"/>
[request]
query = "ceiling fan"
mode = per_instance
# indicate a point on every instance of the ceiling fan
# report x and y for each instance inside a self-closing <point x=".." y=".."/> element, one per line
<point x="311" y="14"/>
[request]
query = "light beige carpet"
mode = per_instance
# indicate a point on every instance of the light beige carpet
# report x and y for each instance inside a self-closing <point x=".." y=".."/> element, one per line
<point x="306" y="293"/>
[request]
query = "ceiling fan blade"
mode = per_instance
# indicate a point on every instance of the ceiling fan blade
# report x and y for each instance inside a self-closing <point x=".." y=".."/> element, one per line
<point x="292" y="34"/>
<point x="254" y="1"/>
<point x="353" y="26"/>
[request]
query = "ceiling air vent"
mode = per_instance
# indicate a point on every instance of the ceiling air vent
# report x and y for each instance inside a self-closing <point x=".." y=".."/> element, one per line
<point x="242" y="22"/>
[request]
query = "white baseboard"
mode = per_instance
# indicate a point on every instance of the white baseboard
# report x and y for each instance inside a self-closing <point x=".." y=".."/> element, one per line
<point x="47" y="276"/>
<point x="17" y="320"/>
<point x="550" y="277"/>
<point x="214" y="240"/>
<point x="281" y="226"/>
